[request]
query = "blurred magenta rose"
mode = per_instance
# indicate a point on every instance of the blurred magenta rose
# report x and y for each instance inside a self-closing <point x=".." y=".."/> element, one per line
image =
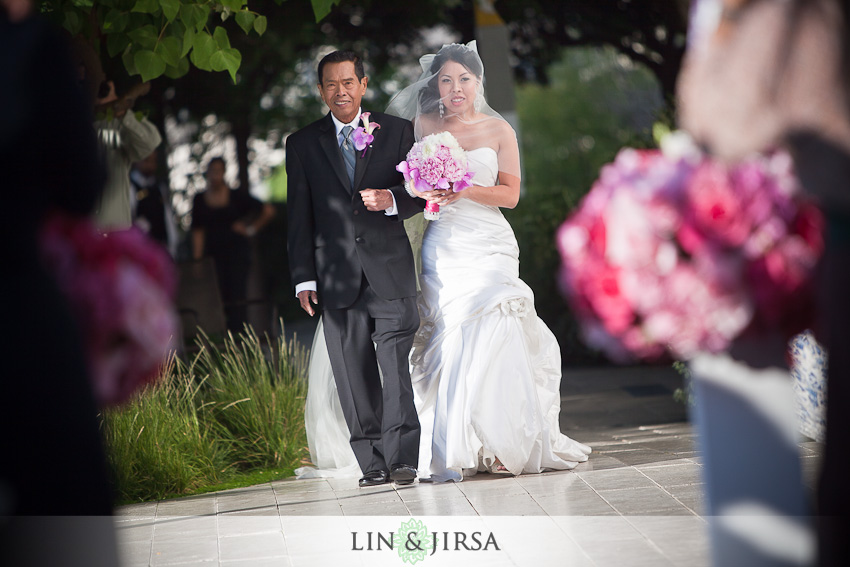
<point x="671" y="252"/>
<point x="121" y="287"/>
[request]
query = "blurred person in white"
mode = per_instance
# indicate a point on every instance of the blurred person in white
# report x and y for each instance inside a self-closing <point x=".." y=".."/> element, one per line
<point x="125" y="139"/>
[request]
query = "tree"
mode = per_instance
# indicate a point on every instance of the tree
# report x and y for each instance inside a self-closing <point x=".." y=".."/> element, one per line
<point x="162" y="37"/>
<point x="180" y="41"/>
<point x="651" y="32"/>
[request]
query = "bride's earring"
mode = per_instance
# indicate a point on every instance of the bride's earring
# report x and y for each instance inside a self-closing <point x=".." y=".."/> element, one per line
<point x="478" y="103"/>
<point x="442" y="108"/>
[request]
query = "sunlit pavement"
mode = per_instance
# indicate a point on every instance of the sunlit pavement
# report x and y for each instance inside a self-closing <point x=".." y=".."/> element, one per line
<point x="637" y="501"/>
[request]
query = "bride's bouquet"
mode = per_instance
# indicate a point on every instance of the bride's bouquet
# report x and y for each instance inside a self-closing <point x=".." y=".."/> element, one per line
<point x="435" y="162"/>
<point x="120" y="286"/>
<point x="673" y="251"/>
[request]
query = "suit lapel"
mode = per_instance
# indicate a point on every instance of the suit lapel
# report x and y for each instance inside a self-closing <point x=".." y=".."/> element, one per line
<point x="330" y="145"/>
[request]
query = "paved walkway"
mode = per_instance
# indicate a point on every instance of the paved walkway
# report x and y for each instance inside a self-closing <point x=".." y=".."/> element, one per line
<point x="636" y="502"/>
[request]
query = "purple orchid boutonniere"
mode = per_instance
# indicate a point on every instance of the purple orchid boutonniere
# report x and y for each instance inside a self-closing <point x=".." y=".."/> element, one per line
<point x="363" y="136"/>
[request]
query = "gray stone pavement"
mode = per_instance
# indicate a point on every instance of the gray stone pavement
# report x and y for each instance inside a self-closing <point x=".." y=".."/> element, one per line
<point x="636" y="502"/>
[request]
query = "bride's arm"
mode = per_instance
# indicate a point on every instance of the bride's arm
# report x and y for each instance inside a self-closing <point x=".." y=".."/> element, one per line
<point x="506" y="194"/>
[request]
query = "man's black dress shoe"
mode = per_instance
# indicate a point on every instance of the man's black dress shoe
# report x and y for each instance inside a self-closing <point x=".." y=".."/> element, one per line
<point x="373" y="478"/>
<point x="403" y="474"/>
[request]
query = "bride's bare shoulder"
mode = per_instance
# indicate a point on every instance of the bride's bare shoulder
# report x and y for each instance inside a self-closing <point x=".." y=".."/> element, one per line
<point x="502" y="134"/>
<point x="495" y="127"/>
<point x="504" y="128"/>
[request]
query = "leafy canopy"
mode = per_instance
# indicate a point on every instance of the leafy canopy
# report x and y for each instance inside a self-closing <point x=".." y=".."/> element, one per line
<point x="164" y="37"/>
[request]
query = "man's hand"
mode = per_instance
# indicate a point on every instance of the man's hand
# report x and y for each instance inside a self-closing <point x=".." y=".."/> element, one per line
<point x="377" y="199"/>
<point x="305" y="297"/>
<point x="121" y="105"/>
<point x="110" y="95"/>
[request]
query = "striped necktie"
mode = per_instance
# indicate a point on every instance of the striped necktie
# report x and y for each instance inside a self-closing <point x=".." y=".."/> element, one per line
<point x="347" y="148"/>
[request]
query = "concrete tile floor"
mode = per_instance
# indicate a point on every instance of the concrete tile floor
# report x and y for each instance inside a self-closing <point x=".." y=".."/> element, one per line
<point x="637" y="501"/>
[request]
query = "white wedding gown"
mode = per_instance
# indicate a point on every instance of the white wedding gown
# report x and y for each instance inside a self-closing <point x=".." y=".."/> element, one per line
<point x="486" y="370"/>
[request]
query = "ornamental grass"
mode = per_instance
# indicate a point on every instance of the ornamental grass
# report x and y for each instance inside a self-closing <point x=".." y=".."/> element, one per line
<point x="225" y="416"/>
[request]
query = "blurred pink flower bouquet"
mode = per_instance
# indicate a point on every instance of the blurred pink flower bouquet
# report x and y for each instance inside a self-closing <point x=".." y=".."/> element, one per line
<point x="436" y="161"/>
<point x="674" y="252"/>
<point x="120" y="286"/>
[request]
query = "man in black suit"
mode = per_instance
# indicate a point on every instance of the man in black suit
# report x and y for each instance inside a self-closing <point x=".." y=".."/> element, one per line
<point x="347" y="238"/>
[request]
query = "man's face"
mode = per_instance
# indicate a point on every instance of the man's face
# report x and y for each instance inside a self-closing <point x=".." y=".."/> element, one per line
<point x="341" y="90"/>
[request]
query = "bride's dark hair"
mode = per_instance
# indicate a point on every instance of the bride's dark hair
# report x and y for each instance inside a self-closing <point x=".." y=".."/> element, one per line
<point x="429" y="96"/>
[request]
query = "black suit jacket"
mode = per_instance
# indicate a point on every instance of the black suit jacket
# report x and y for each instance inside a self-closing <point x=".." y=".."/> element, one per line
<point x="333" y="238"/>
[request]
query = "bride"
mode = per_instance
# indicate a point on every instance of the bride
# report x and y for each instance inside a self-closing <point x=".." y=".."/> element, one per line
<point x="486" y="371"/>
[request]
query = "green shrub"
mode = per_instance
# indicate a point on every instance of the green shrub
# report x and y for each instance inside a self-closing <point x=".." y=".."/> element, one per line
<point x="684" y="395"/>
<point x="597" y="103"/>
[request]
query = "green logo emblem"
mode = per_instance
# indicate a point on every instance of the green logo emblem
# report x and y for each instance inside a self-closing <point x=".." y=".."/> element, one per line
<point x="413" y="541"/>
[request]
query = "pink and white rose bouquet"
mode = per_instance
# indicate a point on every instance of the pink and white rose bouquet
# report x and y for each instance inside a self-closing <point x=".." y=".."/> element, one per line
<point x="120" y="286"/>
<point x="673" y="252"/>
<point x="436" y="162"/>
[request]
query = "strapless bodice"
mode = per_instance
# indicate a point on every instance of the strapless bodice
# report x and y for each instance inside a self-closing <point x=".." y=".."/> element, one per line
<point x="484" y="162"/>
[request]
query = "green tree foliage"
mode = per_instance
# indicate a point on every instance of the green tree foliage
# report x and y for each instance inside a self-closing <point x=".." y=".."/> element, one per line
<point x="165" y="37"/>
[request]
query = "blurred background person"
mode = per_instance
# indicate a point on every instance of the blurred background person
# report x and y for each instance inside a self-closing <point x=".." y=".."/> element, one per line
<point x="152" y="211"/>
<point x="223" y="222"/>
<point x="49" y="157"/>
<point x="125" y="138"/>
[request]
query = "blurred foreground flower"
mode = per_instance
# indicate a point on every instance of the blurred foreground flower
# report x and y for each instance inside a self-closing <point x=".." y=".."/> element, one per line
<point x="120" y="286"/>
<point x="674" y="252"/>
